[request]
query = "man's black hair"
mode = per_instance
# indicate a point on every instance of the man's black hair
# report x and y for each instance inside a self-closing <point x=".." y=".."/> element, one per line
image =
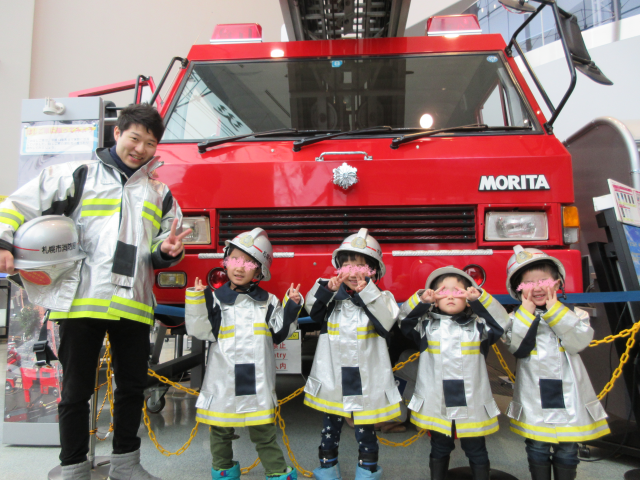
<point x="546" y="266"/>
<point x="345" y="256"/>
<point x="141" y="114"/>
<point x="438" y="281"/>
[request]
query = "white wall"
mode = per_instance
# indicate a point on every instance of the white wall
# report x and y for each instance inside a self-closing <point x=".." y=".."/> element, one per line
<point x="16" y="22"/>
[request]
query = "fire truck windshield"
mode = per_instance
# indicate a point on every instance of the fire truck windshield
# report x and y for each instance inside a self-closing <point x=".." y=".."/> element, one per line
<point x="221" y="99"/>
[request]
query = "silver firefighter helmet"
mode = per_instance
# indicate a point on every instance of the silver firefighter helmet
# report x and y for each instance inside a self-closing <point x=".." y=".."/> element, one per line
<point x="46" y="241"/>
<point x="447" y="270"/>
<point x="523" y="257"/>
<point x="364" y="244"/>
<point x="256" y="244"/>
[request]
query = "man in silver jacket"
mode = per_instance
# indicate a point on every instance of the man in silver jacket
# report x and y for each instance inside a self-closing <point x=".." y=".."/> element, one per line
<point x="554" y="404"/>
<point x="127" y="224"/>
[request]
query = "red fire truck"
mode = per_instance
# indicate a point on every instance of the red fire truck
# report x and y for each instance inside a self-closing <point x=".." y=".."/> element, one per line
<point x="436" y="144"/>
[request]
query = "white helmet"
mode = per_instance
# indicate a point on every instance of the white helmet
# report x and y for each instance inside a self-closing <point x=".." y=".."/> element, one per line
<point x="448" y="270"/>
<point x="363" y="244"/>
<point x="256" y="244"/>
<point x="526" y="256"/>
<point x="46" y="241"/>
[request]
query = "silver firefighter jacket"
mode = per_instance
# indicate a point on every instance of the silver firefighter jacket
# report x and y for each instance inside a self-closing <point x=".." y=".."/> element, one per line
<point x="121" y="223"/>
<point x="453" y="383"/>
<point x="553" y="400"/>
<point x="351" y="370"/>
<point x="239" y="388"/>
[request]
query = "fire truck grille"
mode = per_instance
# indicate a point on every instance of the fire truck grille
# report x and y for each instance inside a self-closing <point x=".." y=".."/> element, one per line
<point x="328" y="226"/>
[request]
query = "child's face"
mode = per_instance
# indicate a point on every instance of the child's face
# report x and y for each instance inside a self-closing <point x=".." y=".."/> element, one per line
<point x="351" y="281"/>
<point x="241" y="275"/>
<point x="539" y="296"/>
<point x="451" y="305"/>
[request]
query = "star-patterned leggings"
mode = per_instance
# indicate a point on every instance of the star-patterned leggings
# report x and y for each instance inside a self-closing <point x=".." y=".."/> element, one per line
<point x="332" y="427"/>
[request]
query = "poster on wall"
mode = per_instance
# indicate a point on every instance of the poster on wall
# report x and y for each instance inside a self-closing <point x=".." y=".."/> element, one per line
<point x="627" y="203"/>
<point x="47" y="143"/>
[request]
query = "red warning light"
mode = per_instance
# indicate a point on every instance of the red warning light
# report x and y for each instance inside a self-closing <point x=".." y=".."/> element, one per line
<point x="453" y="25"/>
<point x="217" y="278"/>
<point x="237" y="33"/>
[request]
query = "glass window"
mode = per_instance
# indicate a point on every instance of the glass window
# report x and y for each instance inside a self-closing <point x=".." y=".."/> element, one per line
<point x="226" y="99"/>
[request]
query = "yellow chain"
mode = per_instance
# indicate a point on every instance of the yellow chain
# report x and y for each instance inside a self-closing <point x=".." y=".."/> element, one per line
<point x="161" y="449"/>
<point x="503" y="364"/>
<point x="412" y="358"/>
<point x="285" y="440"/>
<point x="406" y="443"/>
<point x="623" y="359"/>
<point x="108" y="394"/>
<point x="611" y="338"/>
<point x="175" y="385"/>
<point x="245" y="470"/>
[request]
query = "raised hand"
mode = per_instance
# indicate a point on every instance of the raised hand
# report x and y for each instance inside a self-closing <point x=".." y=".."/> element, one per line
<point x="428" y="296"/>
<point x="361" y="282"/>
<point x="294" y="293"/>
<point x="335" y="282"/>
<point x="198" y="287"/>
<point x="172" y="245"/>
<point x="552" y="295"/>
<point x="527" y="301"/>
<point x="438" y="293"/>
<point x="473" y="294"/>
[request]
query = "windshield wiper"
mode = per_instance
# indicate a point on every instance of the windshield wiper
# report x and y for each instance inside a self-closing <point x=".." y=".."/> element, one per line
<point x="202" y="147"/>
<point x="298" y="144"/>
<point x="474" y="127"/>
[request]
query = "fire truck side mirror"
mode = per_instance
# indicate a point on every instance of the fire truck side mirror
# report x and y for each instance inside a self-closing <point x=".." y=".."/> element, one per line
<point x="579" y="54"/>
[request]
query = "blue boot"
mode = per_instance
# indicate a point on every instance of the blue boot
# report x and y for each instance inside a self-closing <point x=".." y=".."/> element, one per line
<point x="291" y="474"/>
<point x="232" y="473"/>
<point x="332" y="473"/>
<point x="364" y="474"/>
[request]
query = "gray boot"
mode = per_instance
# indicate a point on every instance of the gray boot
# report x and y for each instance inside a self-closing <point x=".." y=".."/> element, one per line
<point x="126" y="466"/>
<point x="77" y="471"/>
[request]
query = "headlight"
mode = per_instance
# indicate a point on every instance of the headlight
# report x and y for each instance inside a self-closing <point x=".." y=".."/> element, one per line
<point x="172" y="279"/>
<point x="507" y="226"/>
<point x="201" y="230"/>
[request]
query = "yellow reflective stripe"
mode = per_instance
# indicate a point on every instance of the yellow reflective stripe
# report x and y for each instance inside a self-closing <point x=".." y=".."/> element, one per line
<point x="561" y="349"/>
<point x="285" y="300"/>
<point x="433" y="342"/>
<point x="132" y="316"/>
<point x="583" y="428"/>
<point x="534" y="352"/>
<point x="132" y="303"/>
<point x="195" y="293"/>
<point x="155" y="222"/>
<point x="15" y="213"/>
<point x="369" y="328"/>
<point x="333" y="325"/>
<point x="485" y="299"/>
<point x="261" y="413"/>
<point x="324" y="402"/>
<point x="467" y="426"/>
<point x="194" y="302"/>
<point x="226" y="329"/>
<point x="99" y="213"/>
<point x="470" y="352"/>
<point x="101" y="201"/>
<point x="433" y="350"/>
<point x="479" y="433"/>
<point x="377" y="411"/>
<point x="470" y="344"/>
<point x="10" y="222"/>
<point x="262" y="332"/>
<point x="151" y="206"/>
<point x="81" y="314"/>
<point x="226" y="335"/>
<point x="533" y="427"/>
<point x="333" y="332"/>
<point x="559" y="316"/>
<point x="520" y="317"/>
<point x="552" y="311"/>
<point x="414" y="301"/>
<point x="156" y="245"/>
<point x="260" y="324"/>
<point x="368" y="335"/>
<point x="431" y="419"/>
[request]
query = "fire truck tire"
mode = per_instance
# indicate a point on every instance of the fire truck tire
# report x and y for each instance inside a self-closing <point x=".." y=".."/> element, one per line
<point x="55" y="392"/>
<point x="154" y="407"/>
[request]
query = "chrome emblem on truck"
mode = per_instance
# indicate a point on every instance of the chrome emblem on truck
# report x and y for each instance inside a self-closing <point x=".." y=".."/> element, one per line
<point x="345" y="176"/>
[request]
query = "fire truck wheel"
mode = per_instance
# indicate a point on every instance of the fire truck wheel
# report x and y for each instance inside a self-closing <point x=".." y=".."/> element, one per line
<point x="154" y="407"/>
<point x="55" y="392"/>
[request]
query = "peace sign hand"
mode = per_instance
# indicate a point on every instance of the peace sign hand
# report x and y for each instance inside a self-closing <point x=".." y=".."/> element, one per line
<point x="294" y="294"/>
<point x="199" y="286"/>
<point x="362" y="282"/>
<point x="172" y="245"/>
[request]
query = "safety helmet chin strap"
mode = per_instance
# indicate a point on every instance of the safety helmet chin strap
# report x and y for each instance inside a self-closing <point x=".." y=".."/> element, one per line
<point x="564" y="295"/>
<point x="42" y="349"/>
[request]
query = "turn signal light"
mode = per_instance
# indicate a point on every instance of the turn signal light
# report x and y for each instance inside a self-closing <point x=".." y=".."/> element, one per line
<point x="477" y="273"/>
<point x="217" y="278"/>
<point x="570" y="225"/>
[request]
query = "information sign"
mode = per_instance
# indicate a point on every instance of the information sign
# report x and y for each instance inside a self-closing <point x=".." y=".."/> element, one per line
<point x="289" y="354"/>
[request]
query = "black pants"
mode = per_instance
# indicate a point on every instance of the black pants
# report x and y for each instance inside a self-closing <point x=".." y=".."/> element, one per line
<point x="80" y="343"/>
<point x="474" y="447"/>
